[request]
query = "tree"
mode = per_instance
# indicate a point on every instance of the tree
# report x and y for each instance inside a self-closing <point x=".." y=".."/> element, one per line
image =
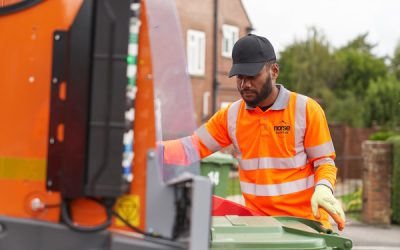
<point x="338" y="79"/>
<point x="395" y="64"/>
<point x="382" y="102"/>
<point x="346" y="109"/>
<point x="360" y="67"/>
<point x="360" y="44"/>
<point x="308" y="66"/>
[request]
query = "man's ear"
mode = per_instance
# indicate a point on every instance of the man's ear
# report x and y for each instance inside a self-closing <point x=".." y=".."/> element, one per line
<point x="275" y="71"/>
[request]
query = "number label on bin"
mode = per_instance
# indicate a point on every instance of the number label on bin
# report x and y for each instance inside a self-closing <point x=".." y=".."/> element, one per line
<point x="214" y="177"/>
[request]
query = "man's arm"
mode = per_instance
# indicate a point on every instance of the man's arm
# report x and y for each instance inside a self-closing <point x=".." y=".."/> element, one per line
<point x="319" y="147"/>
<point x="321" y="153"/>
<point x="209" y="138"/>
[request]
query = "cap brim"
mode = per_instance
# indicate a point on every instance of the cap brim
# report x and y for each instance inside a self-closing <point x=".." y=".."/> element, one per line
<point x="246" y="69"/>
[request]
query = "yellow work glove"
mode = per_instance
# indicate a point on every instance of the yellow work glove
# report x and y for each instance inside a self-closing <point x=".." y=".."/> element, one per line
<point x="323" y="198"/>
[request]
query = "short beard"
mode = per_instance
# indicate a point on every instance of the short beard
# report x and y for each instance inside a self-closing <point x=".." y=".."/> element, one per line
<point x="266" y="90"/>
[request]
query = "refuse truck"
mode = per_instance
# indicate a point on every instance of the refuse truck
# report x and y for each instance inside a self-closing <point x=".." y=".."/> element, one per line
<point x="85" y="95"/>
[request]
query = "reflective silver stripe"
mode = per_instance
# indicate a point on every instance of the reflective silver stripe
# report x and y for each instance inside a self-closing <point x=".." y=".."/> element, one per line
<point x="320" y="150"/>
<point x="300" y="122"/>
<point x="323" y="161"/>
<point x="207" y="139"/>
<point x="299" y="160"/>
<point x="325" y="182"/>
<point x="192" y="154"/>
<point x="232" y="119"/>
<point x="278" y="189"/>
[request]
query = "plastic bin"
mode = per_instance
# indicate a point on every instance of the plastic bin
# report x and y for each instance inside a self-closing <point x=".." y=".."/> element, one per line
<point x="217" y="167"/>
<point x="279" y="233"/>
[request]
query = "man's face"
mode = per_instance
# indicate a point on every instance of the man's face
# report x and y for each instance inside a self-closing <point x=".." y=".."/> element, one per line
<point x="255" y="89"/>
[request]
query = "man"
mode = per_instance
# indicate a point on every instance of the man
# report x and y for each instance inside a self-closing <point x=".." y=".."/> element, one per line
<point x="281" y="138"/>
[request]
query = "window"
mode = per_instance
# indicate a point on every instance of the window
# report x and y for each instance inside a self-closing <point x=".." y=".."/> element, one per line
<point x="196" y="52"/>
<point x="230" y="34"/>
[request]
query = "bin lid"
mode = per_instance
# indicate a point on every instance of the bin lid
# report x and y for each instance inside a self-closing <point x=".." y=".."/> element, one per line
<point x="266" y="232"/>
<point x="220" y="158"/>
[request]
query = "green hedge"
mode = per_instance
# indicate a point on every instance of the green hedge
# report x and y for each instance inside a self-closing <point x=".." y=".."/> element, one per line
<point x="396" y="179"/>
<point x="382" y="135"/>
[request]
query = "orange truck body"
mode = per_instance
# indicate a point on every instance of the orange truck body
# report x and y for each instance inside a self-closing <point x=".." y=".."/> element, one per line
<point x="25" y="80"/>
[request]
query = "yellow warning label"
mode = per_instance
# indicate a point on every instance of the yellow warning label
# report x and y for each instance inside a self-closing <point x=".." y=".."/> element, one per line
<point x="128" y="206"/>
<point x="22" y="169"/>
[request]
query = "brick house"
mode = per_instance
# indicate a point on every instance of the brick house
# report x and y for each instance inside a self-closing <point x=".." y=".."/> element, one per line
<point x="209" y="52"/>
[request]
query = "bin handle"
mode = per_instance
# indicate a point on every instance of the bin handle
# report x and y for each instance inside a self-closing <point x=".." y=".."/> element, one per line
<point x="316" y="225"/>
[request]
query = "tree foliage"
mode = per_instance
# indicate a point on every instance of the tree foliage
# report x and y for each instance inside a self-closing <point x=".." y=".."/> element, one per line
<point x="343" y="80"/>
<point x="360" y="66"/>
<point x="383" y="102"/>
<point x="395" y="64"/>
<point x="309" y="66"/>
<point x="346" y="109"/>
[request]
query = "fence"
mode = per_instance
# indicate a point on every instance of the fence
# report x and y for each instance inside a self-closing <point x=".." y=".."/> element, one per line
<point x="349" y="160"/>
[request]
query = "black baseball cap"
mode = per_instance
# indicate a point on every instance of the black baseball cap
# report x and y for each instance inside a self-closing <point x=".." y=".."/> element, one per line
<point x="249" y="54"/>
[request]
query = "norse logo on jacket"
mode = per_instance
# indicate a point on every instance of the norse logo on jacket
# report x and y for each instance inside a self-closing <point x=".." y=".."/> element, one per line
<point x="282" y="128"/>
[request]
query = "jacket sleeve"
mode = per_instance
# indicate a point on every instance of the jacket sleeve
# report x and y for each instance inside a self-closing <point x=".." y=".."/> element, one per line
<point x="209" y="138"/>
<point x="318" y="145"/>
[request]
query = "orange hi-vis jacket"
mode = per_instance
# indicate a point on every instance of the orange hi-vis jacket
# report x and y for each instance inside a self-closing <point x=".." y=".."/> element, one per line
<point x="283" y="152"/>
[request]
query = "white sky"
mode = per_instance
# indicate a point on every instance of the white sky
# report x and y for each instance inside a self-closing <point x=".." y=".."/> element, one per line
<point x="283" y="21"/>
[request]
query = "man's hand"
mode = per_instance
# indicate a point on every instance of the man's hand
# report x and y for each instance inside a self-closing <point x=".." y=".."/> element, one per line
<point x="324" y="198"/>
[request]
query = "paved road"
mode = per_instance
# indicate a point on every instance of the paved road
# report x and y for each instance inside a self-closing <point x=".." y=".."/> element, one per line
<point x="367" y="237"/>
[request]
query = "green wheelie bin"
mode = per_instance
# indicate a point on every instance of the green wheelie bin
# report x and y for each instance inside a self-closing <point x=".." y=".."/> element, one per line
<point x="273" y="232"/>
<point x="217" y="167"/>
